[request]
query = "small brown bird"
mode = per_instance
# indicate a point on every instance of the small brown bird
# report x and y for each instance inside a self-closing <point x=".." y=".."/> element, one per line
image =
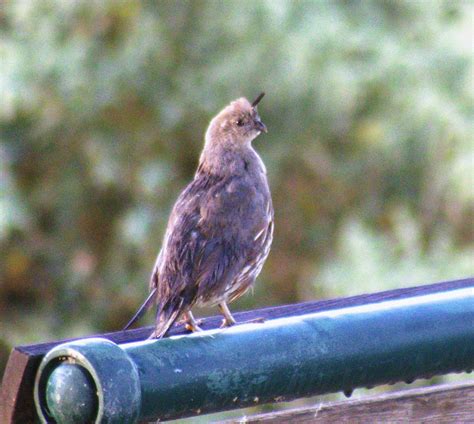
<point x="221" y="227"/>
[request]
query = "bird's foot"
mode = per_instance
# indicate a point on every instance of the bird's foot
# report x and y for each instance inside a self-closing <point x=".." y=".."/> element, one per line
<point x="193" y="326"/>
<point x="226" y="323"/>
<point x="152" y="336"/>
<point x="190" y="323"/>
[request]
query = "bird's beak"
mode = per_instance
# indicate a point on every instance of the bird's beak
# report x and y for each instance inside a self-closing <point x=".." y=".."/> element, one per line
<point x="260" y="126"/>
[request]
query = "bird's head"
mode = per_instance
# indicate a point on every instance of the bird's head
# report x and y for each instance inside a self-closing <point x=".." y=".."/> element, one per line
<point x="237" y="124"/>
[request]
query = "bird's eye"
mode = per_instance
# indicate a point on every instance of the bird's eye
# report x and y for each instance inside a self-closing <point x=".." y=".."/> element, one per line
<point x="240" y="122"/>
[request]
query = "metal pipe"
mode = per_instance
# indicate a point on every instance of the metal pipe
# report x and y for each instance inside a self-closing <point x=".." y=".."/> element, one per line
<point x="249" y="364"/>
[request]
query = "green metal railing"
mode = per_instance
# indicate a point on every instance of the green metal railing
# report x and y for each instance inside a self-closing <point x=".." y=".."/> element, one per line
<point x="282" y="359"/>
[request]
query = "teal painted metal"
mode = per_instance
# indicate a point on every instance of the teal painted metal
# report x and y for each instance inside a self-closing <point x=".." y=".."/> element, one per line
<point x="62" y="398"/>
<point x="282" y="359"/>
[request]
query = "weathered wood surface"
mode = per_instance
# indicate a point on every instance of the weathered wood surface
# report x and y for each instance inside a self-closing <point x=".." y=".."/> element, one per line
<point x="447" y="403"/>
<point x="16" y="395"/>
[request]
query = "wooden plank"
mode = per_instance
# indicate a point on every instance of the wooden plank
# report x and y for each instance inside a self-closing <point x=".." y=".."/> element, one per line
<point x="18" y="379"/>
<point x="12" y="390"/>
<point x="447" y="403"/>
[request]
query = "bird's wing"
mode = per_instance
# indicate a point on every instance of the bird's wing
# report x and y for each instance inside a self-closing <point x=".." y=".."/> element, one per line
<point x="232" y="216"/>
<point x="173" y="265"/>
<point x="256" y="255"/>
<point x="170" y="278"/>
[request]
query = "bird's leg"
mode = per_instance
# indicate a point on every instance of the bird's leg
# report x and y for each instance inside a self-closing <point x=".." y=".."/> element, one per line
<point x="228" y="318"/>
<point x="152" y="336"/>
<point x="190" y="323"/>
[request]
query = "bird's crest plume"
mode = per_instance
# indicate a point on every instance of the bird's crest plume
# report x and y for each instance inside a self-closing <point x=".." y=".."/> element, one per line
<point x="257" y="100"/>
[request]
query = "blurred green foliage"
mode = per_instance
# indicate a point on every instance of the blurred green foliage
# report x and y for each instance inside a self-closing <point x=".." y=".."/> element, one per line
<point x="103" y="108"/>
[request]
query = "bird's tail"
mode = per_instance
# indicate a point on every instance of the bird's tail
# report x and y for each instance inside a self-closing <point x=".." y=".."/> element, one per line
<point x="166" y="317"/>
<point x="143" y="308"/>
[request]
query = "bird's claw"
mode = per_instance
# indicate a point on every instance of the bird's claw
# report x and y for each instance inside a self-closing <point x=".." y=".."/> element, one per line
<point x="193" y="327"/>
<point x="227" y="323"/>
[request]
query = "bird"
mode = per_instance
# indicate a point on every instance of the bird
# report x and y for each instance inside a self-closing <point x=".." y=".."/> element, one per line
<point x="220" y="229"/>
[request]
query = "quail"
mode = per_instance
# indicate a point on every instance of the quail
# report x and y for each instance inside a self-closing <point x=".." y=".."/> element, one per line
<point x="221" y="227"/>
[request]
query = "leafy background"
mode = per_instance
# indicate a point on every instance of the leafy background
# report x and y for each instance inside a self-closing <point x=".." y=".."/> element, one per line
<point x="103" y="108"/>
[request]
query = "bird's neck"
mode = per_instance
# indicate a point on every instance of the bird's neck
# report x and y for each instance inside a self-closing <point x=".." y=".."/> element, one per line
<point x="222" y="159"/>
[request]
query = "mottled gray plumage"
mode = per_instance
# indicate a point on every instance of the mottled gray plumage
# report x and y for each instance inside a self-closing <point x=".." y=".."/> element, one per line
<point x="221" y="227"/>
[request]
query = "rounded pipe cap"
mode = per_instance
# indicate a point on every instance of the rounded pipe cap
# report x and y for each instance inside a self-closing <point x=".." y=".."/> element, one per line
<point x="89" y="380"/>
